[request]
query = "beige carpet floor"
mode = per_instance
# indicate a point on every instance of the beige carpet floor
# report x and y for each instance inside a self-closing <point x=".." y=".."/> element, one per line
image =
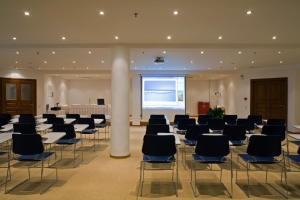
<point x="100" y="177"/>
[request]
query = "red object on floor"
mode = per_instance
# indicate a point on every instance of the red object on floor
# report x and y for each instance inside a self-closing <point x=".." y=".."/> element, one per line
<point x="203" y="107"/>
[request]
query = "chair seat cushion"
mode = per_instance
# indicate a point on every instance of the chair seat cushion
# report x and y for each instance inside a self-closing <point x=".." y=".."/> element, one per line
<point x="209" y="159"/>
<point x="258" y="159"/>
<point x="160" y="159"/>
<point x="190" y="142"/>
<point x="68" y="141"/>
<point x="89" y="131"/>
<point x="34" y="157"/>
<point x="237" y="142"/>
<point x="294" y="158"/>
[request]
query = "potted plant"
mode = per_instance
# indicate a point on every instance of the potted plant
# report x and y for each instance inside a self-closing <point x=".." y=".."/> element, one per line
<point x="216" y="112"/>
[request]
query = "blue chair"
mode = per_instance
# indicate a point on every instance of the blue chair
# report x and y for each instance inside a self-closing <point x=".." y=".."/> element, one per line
<point x="158" y="116"/>
<point x="184" y="124"/>
<point x="153" y="129"/>
<point x="103" y="124"/>
<point x="29" y="148"/>
<point x="24" y="128"/>
<point x="178" y="117"/>
<point x="27" y="119"/>
<point x="203" y="119"/>
<point x="216" y="125"/>
<point x="158" y="150"/>
<point x="275" y="130"/>
<point x="157" y="121"/>
<point x="73" y="116"/>
<point x="210" y="149"/>
<point x="48" y="115"/>
<point x="230" y="119"/>
<point x="246" y="124"/>
<point x="255" y="119"/>
<point x="262" y="150"/>
<point x="235" y="134"/>
<point x="90" y="130"/>
<point x="55" y="120"/>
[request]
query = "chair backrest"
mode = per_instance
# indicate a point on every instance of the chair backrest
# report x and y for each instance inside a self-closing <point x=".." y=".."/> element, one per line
<point x="275" y="130"/>
<point x="26" y="116"/>
<point x="256" y="119"/>
<point x="55" y="120"/>
<point x="157" y="116"/>
<point x="6" y="116"/>
<point x="203" y="119"/>
<point x="3" y="121"/>
<point x="183" y="124"/>
<point x="264" y="146"/>
<point x="276" y="122"/>
<point x="27" y="120"/>
<point x="157" y="128"/>
<point x="234" y="132"/>
<point x="245" y="123"/>
<point x="89" y="121"/>
<point x="216" y="146"/>
<point x="194" y="131"/>
<point x="24" y="128"/>
<point x="216" y="124"/>
<point x="177" y="117"/>
<point x="99" y="116"/>
<point x="27" y="144"/>
<point x="157" y="121"/>
<point x="230" y="119"/>
<point x="47" y="116"/>
<point x="67" y="128"/>
<point x="159" y="145"/>
<point x="72" y="116"/>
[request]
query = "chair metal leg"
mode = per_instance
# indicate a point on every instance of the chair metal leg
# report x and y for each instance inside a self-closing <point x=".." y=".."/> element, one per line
<point x="248" y="179"/>
<point x="42" y="171"/>
<point x="266" y="174"/>
<point x="28" y="173"/>
<point x="6" y="179"/>
<point x="142" y="183"/>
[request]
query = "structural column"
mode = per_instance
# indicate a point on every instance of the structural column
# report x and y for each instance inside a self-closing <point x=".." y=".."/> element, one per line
<point x="120" y="102"/>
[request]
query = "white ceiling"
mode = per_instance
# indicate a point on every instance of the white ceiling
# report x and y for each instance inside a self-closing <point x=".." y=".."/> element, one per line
<point x="195" y="29"/>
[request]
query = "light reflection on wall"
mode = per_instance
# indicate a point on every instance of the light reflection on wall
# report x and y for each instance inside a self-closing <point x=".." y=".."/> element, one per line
<point x="15" y="75"/>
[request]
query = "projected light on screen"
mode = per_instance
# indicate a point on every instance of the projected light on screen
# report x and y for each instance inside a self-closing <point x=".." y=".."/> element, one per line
<point x="163" y="92"/>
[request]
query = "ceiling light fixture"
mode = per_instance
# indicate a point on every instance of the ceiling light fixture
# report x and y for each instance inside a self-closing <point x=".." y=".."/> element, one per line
<point x="102" y="61"/>
<point x="63" y="38"/>
<point x="116" y="37"/>
<point x="164" y="51"/>
<point x="220" y="37"/>
<point x="279" y="52"/>
<point x="101" y="12"/>
<point x="16" y="62"/>
<point x="252" y="62"/>
<point x="239" y="52"/>
<point x="249" y="12"/>
<point x="26" y="13"/>
<point x="90" y="52"/>
<point x="281" y="62"/>
<point x="53" y="52"/>
<point x="17" y="52"/>
<point x="221" y="61"/>
<point x="45" y="61"/>
<point x="74" y="61"/>
<point x="169" y="37"/>
<point x="274" y="37"/>
<point x="14" y="38"/>
<point x="175" y="12"/>
<point x="202" y="52"/>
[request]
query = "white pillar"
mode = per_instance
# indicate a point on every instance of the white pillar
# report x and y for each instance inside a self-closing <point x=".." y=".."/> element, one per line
<point x="120" y="102"/>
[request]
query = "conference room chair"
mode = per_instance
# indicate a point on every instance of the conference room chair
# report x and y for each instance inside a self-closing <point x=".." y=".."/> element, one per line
<point x="26" y="115"/>
<point x="157" y="121"/>
<point x="55" y="120"/>
<point x="158" y="116"/>
<point x="29" y="148"/>
<point x="177" y="117"/>
<point x="5" y="116"/>
<point x="280" y="122"/>
<point x="210" y="150"/>
<point x="27" y="119"/>
<point x="103" y="124"/>
<point x="68" y="140"/>
<point x="153" y="129"/>
<point x="159" y="153"/>
<point x="203" y="119"/>
<point x="90" y="130"/>
<point x="47" y="115"/>
<point x="235" y="134"/>
<point x="73" y="116"/>
<point x="183" y="125"/>
<point x="3" y="121"/>
<point x="216" y="125"/>
<point x="24" y="128"/>
<point x="246" y="124"/>
<point x="230" y="119"/>
<point x="275" y="130"/>
<point x="262" y="151"/>
<point x="256" y="119"/>
<point x="191" y="137"/>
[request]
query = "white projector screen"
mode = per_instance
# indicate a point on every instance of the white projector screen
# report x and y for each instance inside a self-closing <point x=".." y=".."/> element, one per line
<point x="163" y="95"/>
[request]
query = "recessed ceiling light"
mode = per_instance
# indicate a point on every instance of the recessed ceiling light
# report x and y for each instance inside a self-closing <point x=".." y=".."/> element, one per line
<point x="102" y="61"/>
<point x="221" y="61"/>
<point x="14" y="38"/>
<point x="175" y="12"/>
<point x="281" y="62"/>
<point x="63" y="38"/>
<point x="164" y="51"/>
<point x="240" y="52"/>
<point x="17" y="52"/>
<point x="26" y="13"/>
<point x="220" y="37"/>
<point x="249" y="12"/>
<point x="101" y="12"/>
<point x="45" y="61"/>
<point x="202" y="52"/>
<point x="16" y="62"/>
<point x="274" y="37"/>
<point x="116" y="37"/>
<point x="279" y="52"/>
<point x="252" y="62"/>
<point x="90" y="52"/>
<point x="53" y="52"/>
<point x="74" y="61"/>
<point x="169" y="37"/>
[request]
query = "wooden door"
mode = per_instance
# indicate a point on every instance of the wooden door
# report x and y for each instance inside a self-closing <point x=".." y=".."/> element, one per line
<point x="269" y="97"/>
<point x="18" y="96"/>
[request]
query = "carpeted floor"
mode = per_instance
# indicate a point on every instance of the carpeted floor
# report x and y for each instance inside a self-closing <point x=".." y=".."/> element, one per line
<point x="100" y="177"/>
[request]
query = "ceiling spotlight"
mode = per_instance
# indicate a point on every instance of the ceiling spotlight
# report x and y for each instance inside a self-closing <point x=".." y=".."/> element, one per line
<point x="220" y="37"/>
<point x="63" y="38"/>
<point x="279" y="52"/>
<point x="239" y="52"/>
<point x="274" y="37"/>
<point x="252" y="62"/>
<point x="202" y="52"/>
<point x="17" y="52"/>
<point x="221" y="61"/>
<point x="169" y="37"/>
<point x="90" y="52"/>
<point x="26" y="13"/>
<point x="53" y="52"/>
<point x="249" y="12"/>
<point x="281" y="62"/>
<point x="16" y="62"/>
<point x="164" y="51"/>
<point x="101" y="12"/>
<point x="175" y="12"/>
<point x="74" y="61"/>
<point x="14" y="38"/>
<point x="116" y="37"/>
<point x="102" y="61"/>
<point x="45" y="61"/>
